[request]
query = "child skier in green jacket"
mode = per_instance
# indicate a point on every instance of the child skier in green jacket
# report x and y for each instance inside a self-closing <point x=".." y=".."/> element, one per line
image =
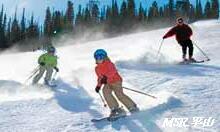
<point x="47" y="62"/>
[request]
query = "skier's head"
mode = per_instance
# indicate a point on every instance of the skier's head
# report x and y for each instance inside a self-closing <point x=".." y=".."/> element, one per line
<point x="100" y="55"/>
<point x="180" y="21"/>
<point x="51" y="50"/>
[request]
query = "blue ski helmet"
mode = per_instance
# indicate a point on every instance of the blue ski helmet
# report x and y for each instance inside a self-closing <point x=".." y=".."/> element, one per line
<point x="100" y="54"/>
<point x="51" y="49"/>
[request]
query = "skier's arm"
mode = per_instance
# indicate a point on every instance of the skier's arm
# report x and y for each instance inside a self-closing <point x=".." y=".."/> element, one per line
<point x="54" y="62"/>
<point x="99" y="77"/>
<point x="190" y="30"/>
<point x="41" y="59"/>
<point x="55" y="65"/>
<point x="170" y="33"/>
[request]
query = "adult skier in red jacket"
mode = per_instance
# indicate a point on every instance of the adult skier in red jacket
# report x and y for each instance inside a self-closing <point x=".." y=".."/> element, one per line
<point x="109" y="77"/>
<point x="183" y="33"/>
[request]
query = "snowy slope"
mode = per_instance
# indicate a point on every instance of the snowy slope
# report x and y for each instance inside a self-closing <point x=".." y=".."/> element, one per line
<point x="182" y="90"/>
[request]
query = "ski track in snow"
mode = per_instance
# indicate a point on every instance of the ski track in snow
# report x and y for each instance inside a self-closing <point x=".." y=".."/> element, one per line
<point x="182" y="90"/>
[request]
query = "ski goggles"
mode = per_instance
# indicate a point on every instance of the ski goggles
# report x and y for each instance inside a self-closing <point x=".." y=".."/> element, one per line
<point x="99" y="57"/>
<point x="180" y="21"/>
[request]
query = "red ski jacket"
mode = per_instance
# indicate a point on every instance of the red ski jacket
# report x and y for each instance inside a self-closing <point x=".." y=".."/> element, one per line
<point x="108" y="69"/>
<point x="182" y="32"/>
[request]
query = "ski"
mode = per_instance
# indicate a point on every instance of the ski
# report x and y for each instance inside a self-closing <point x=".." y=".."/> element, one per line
<point x="189" y="62"/>
<point x="45" y="86"/>
<point x="100" y="119"/>
<point x="51" y="86"/>
<point x="109" y="119"/>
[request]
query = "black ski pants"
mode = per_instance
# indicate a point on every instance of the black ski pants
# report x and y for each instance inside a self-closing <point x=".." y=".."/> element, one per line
<point x="187" y="44"/>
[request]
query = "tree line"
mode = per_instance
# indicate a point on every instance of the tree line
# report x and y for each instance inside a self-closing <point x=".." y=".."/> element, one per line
<point x="110" y="20"/>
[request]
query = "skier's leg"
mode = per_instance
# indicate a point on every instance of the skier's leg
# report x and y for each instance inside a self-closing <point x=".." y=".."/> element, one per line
<point x="190" y="46"/>
<point x="118" y="90"/>
<point x="184" y="49"/>
<point x="49" y="72"/>
<point x="39" y="75"/>
<point x="110" y="99"/>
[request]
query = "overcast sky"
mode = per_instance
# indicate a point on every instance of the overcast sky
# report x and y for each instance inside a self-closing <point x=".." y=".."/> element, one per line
<point x="38" y="7"/>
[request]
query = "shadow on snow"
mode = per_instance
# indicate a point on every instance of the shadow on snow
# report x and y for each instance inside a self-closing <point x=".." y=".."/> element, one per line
<point x="143" y="120"/>
<point x="74" y="99"/>
<point x="172" y="69"/>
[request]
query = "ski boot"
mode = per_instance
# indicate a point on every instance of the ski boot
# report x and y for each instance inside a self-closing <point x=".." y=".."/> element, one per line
<point x="191" y="60"/>
<point x="46" y="82"/>
<point x="133" y="109"/>
<point x="116" y="113"/>
<point x="184" y="61"/>
<point x="49" y="83"/>
<point x="184" y="58"/>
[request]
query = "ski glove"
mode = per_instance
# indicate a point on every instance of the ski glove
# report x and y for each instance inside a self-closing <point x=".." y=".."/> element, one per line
<point x="56" y="69"/>
<point x="164" y="37"/>
<point x="42" y="63"/>
<point x="104" y="80"/>
<point x="97" y="89"/>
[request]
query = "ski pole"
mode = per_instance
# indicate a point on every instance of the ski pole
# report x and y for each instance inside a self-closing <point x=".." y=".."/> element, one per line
<point x="161" y="43"/>
<point x="32" y="73"/>
<point x="202" y="51"/>
<point x="102" y="100"/>
<point x="54" y="76"/>
<point x="140" y="92"/>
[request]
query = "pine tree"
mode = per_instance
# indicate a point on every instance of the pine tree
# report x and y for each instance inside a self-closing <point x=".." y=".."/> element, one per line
<point x="69" y="16"/>
<point x="4" y="30"/>
<point x="87" y="18"/>
<point x="95" y="15"/>
<point x="79" y="21"/>
<point x="208" y="10"/>
<point x="161" y="13"/>
<point x="102" y="15"/>
<point x="131" y="13"/>
<point x="153" y="12"/>
<point x="215" y="8"/>
<point x="48" y="23"/>
<point x="1" y="28"/>
<point x="3" y="39"/>
<point x="33" y="35"/>
<point x="115" y="18"/>
<point x="57" y="24"/>
<point x="23" y="26"/>
<point x="108" y="28"/>
<point x="79" y="16"/>
<point x="123" y="16"/>
<point x="15" y="30"/>
<point x="187" y="8"/>
<point x="108" y="16"/>
<point x="8" y="34"/>
<point x="141" y="14"/>
<point x="171" y="10"/>
<point x="115" y="11"/>
<point x="123" y="11"/>
<point x="167" y="12"/>
<point x="1" y="16"/>
<point x="131" y="9"/>
<point x="33" y="30"/>
<point x="183" y="8"/>
<point x="199" y="13"/>
<point x="192" y="15"/>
